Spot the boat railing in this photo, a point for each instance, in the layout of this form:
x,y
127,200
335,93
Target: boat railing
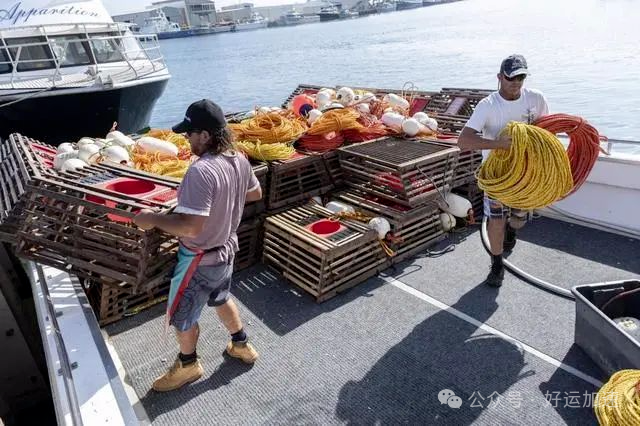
x,y
140,52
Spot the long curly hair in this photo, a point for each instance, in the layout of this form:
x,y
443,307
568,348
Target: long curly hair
x,y
221,140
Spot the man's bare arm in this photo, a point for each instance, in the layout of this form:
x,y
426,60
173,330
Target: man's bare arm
x,y
470,140
254,195
178,224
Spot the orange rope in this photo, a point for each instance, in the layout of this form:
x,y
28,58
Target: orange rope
x,y
335,120
584,143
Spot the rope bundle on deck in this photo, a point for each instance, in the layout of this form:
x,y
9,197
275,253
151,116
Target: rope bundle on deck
x,y
618,401
533,173
270,127
584,143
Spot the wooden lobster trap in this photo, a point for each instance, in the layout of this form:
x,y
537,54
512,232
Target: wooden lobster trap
x,y
418,99
322,255
249,233
14,176
297,179
112,301
81,221
302,89
412,229
254,208
404,171
456,102
468,162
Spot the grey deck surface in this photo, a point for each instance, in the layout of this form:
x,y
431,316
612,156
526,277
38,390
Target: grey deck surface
x,y
380,355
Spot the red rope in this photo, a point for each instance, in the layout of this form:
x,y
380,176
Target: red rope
x,y
584,143
321,143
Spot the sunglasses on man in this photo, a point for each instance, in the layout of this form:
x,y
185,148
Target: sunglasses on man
x,y
520,77
192,131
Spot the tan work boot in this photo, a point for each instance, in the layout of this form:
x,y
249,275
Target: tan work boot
x,y
178,376
242,350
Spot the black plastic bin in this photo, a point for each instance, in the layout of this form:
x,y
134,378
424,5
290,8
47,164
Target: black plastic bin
x,y
608,345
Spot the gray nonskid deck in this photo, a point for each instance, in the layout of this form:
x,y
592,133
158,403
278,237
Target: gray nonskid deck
x,y
376,354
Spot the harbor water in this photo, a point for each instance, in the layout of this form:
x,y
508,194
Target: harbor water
x,y
583,55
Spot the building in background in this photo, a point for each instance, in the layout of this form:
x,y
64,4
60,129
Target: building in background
x,y
236,13
185,13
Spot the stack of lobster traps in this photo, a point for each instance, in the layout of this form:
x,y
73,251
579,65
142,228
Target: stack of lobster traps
x,y
320,253
81,222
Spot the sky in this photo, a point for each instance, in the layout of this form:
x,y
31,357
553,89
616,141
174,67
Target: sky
x,y
121,6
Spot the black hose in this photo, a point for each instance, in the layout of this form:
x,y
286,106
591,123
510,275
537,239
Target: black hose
x,y
552,288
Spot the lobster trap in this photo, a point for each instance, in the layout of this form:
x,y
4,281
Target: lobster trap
x,y
297,179
322,255
112,301
468,163
14,177
81,221
249,233
456,102
403,171
413,229
254,208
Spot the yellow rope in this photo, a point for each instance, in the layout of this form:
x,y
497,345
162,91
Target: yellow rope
x,y
270,127
618,401
266,151
534,173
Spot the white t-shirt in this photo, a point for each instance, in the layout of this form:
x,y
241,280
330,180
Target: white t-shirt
x,y
494,112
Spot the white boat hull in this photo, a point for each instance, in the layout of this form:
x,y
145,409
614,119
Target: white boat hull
x,y
251,26
608,199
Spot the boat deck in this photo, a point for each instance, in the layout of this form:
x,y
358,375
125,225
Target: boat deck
x,y
382,352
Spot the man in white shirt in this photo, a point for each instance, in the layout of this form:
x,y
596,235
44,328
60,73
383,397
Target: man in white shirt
x,y
512,102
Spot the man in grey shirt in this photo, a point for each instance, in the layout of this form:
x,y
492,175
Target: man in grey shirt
x,y
210,203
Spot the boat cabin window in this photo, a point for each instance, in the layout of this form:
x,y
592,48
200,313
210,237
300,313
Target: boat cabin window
x,y
106,49
70,50
5,60
31,53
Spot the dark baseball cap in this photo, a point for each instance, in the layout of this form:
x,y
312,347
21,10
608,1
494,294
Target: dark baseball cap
x,y
514,65
201,115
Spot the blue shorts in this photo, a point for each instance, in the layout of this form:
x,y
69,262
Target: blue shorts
x,y
494,209
210,285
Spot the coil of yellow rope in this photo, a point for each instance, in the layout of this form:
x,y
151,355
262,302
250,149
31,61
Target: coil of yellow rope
x,y
534,173
618,400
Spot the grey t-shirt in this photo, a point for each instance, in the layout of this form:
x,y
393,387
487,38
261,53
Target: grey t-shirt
x,y
216,186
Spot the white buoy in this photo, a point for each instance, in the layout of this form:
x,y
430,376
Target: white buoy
x,y
73,164
421,116
448,221
314,114
338,207
392,119
65,147
395,100
345,96
456,205
363,108
411,126
381,225
60,159
431,124
323,99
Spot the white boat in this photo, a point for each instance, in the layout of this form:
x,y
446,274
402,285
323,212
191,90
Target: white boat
x,y
608,199
385,7
158,24
296,18
256,22
408,4
68,75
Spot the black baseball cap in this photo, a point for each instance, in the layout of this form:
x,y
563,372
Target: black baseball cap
x,y
201,115
514,65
